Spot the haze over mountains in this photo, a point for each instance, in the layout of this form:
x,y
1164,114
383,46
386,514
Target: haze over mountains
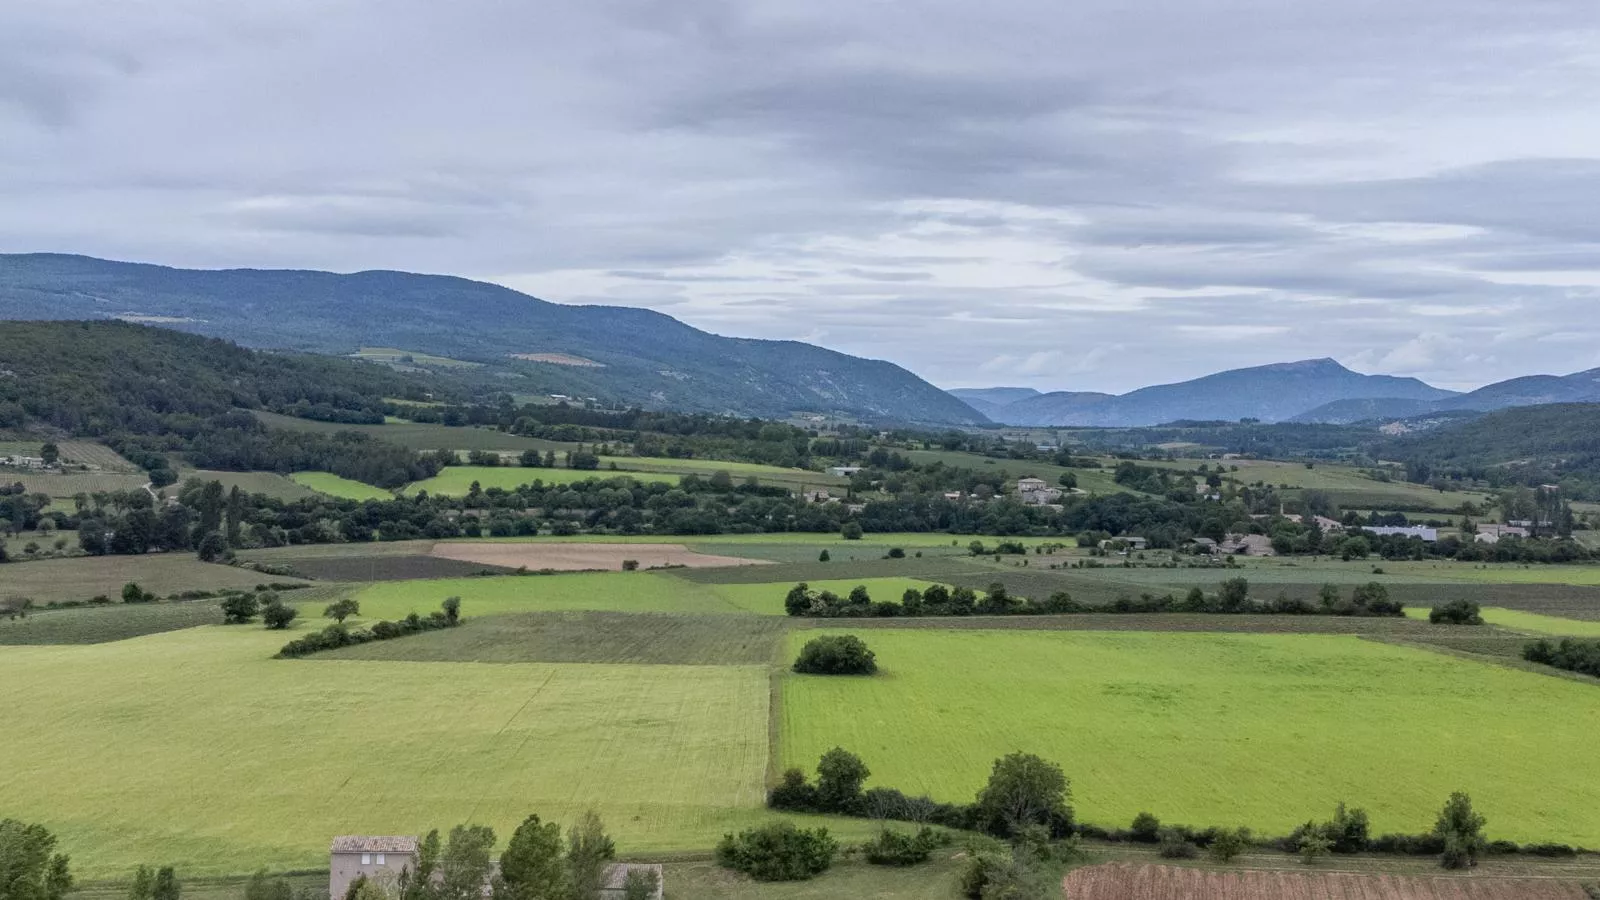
x,y
618,354
1319,390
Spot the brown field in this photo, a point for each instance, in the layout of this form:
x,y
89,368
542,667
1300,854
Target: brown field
x,y
1121,881
579,557
559,359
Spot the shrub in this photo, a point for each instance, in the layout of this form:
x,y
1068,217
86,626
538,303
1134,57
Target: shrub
x,y
1456,612
630,565
778,852
239,609
1176,845
896,848
840,775
823,556
1228,843
981,869
793,793
132,593
277,615
1146,828
1460,828
842,654
851,531
896,553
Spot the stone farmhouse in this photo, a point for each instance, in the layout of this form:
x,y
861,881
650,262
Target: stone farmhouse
x,y
384,858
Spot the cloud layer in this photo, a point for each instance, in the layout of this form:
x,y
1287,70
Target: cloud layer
x,y
1090,197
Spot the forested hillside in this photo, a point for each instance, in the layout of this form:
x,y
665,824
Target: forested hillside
x,y
149,392
620,355
1558,443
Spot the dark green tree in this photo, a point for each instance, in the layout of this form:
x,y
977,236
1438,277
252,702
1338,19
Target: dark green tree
x,y
1024,790
166,885
339,610
589,851
1461,829
30,869
466,863
840,775
531,868
276,614
238,609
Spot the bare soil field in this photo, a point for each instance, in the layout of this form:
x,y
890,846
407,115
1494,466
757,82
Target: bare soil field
x,y
1119,881
582,557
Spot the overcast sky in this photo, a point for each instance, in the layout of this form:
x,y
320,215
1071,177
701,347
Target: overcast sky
x,y
1092,195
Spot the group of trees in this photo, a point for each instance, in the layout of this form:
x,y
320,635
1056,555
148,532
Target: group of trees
x,y
242,608
30,867
1232,597
843,654
155,884
1456,612
1572,655
337,635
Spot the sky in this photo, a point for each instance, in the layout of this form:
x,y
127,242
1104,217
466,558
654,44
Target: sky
x,y
1094,195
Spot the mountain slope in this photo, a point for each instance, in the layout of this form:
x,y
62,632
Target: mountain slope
x,y
1530,390
991,401
1270,393
626,355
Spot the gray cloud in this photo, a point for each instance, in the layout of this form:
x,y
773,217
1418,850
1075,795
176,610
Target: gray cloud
x,y
1126,194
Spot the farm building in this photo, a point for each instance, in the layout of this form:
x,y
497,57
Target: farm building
x,y
1130,542
1248,545
843,471
1491,534
379,858
1029,485
1417,531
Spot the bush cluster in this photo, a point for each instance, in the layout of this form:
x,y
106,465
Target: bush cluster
x,y
836,654
896,848
1582,657
1456,612
778,852
341,635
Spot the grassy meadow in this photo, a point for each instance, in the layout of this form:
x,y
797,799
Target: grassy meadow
x,y
335,486
81,578
270,483
128,759
1256,730
1531,623
576,592
456,481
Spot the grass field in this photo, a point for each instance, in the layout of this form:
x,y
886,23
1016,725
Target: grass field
x,y
80,578
411,357
1094,481
1256,730
270,483
420,436
456,481
590,637
585,591
334,486
1520,620
126,758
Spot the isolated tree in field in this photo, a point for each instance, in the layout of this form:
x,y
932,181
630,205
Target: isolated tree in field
x,y
1461,829
1233,595
823,556
842,654
531,868
30,869
589,849
851,531
276,614
466,863
166,885
1456,612
238,609
50,453
452,609
1146,828
1024,790
840,775
132,593
339,610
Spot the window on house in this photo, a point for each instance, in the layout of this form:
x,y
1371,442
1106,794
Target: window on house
x,y
380,859
366,859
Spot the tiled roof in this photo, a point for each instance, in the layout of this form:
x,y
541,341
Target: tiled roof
x,y
363,843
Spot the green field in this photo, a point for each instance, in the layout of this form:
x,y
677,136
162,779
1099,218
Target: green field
x,y
576,592
1256,730
63,485
1093,481
456,481
1534,623
419,436
334,486
128,760
396,356
81,578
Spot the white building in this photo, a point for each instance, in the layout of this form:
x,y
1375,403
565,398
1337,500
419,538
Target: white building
x,y
1491,534
843,471
1417,531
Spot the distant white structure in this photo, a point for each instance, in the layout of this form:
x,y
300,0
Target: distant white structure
x,y
1417,531
1028,485
1491,534
843,471
1131,542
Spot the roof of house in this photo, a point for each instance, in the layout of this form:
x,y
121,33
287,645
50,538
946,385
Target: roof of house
x,y
366,843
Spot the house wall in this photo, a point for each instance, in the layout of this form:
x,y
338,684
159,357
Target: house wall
x,y
344,868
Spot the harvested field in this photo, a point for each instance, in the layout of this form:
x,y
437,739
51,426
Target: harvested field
x,y
83,577
384,567
1119,881
582,557
589,637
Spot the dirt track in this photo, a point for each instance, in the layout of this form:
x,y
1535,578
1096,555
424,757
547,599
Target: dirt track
x,y
578,557
1120,881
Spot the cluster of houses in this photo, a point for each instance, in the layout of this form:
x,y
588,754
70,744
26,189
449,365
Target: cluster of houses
x,y
23,462
382,859
1035,492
